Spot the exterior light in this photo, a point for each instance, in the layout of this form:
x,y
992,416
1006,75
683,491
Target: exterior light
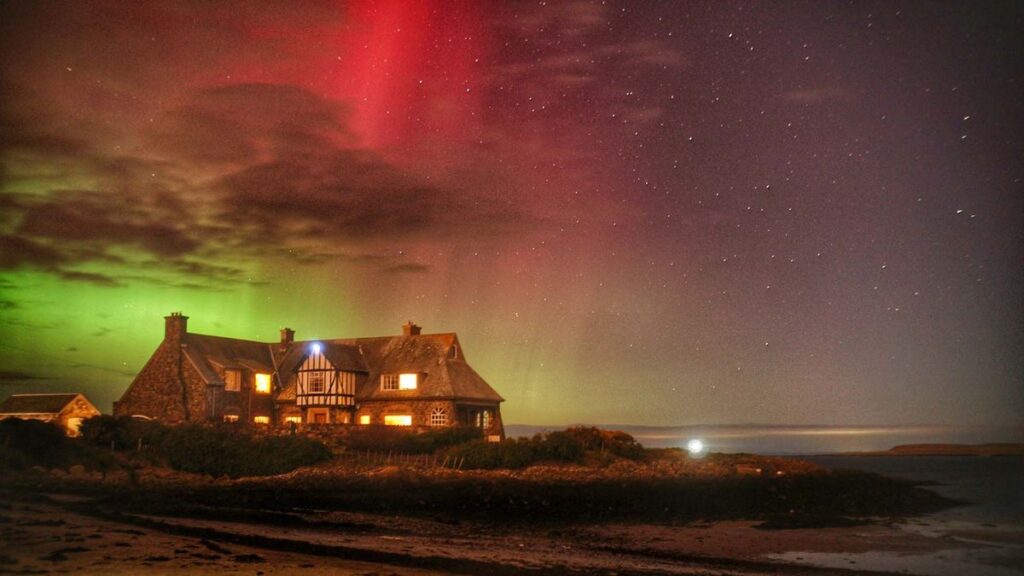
x,y
695,446
316,348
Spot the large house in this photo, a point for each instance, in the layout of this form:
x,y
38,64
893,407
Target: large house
x,y
418,380
67,411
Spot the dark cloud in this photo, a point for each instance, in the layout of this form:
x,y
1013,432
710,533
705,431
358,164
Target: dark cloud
x,y
16,251
244,123
233,173
106,219
89,277
15,376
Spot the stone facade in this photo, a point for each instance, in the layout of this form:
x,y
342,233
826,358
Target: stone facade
x,y
158,391
186,381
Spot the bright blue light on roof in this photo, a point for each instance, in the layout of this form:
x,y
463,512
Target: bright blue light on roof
x,y
316,348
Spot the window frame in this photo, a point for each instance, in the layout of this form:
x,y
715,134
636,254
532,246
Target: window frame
x,y
232,380
398,420
257,386
318,377
438,417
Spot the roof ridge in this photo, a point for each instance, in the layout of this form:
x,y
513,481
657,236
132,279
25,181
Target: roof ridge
x,y
227,338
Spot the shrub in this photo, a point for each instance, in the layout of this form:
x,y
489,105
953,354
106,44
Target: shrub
x,y
380,438
571,445
214,450
27,443
612,442
227,451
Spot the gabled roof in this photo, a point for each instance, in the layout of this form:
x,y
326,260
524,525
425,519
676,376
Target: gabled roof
x,y
426,354
205,352
36,403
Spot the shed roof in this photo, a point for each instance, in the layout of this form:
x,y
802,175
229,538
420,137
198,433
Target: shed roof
x,y
36,403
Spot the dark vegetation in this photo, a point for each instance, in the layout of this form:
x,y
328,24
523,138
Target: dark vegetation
x,y
575,445
599,489
214,450
28,443
819,499
380,438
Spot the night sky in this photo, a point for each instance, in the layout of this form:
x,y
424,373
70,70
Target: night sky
x,y
667,213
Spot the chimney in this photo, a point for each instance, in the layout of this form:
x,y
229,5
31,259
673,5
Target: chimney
x,y
287,337
175,327
410,329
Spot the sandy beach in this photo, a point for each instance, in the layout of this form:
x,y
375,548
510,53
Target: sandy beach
x,y
54,533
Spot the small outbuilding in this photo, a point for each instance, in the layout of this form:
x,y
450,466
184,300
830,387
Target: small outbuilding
x,y
67,411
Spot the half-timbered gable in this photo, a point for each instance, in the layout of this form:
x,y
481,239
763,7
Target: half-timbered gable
x,y
321,382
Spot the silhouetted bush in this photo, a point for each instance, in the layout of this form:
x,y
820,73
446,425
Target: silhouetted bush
x,y
571,445
378,438
612,442
215,450
121,432
228,451
27,443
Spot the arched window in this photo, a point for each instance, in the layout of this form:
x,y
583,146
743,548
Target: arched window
x,y
438,417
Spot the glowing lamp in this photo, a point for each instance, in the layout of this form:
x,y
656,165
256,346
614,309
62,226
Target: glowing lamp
x,y
315,347
695,446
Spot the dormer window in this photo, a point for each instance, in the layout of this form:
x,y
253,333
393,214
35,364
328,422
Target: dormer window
x,y
453,352
262,383
407,381
232,380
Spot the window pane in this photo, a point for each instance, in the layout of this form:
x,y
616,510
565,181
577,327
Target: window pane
x,y
263,383
232,380
407,381
398,420
364,419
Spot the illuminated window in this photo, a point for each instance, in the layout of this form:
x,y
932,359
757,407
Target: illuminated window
x,y
364,419
291,419
74,426
231,417
261,419
407,381
232,380
438,417
315,384
483,419
398,420
263,383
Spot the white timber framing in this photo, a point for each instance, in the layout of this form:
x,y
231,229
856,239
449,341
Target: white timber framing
x,y
338,388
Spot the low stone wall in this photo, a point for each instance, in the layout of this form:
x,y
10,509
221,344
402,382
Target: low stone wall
x,y
332,435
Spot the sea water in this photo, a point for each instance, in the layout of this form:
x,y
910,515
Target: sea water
x,y
986,533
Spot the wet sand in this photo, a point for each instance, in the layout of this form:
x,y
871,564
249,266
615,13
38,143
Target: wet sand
x,y
51,534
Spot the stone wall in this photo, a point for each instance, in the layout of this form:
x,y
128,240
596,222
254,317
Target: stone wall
x,y
157,391
419,410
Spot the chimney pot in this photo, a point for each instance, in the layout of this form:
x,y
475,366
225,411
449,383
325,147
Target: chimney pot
x,y
287,337
175,326
410,329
